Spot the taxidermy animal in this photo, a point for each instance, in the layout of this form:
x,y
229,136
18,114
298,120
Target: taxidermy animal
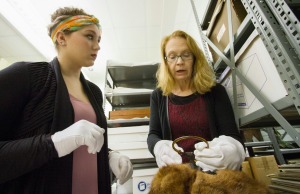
x,y
182,179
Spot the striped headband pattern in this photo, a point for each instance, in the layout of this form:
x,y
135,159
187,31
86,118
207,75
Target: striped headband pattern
x,y
74,23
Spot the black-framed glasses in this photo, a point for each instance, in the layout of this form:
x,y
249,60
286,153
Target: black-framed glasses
x,y
172,58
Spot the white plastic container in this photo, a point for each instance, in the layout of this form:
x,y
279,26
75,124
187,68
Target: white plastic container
x,y
126,188
142,179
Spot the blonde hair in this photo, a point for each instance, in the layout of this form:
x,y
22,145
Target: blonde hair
x,y
203,77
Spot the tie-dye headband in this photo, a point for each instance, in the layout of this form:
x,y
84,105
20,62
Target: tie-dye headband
x,y
74,23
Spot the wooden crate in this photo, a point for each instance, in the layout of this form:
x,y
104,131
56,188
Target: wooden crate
x,y
129,113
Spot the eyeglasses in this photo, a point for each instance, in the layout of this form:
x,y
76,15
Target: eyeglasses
x,y
172,58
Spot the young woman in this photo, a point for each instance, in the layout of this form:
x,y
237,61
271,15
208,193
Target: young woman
x,y
52,126
188,102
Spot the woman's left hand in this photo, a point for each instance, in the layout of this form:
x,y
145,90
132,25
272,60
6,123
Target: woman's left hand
x,y
224,152
121,166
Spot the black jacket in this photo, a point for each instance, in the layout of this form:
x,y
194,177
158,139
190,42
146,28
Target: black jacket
x,y
219,109
34,103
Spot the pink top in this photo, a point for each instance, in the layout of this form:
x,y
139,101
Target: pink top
x,y
84,179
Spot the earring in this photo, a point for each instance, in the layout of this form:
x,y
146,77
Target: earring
x,y
62,43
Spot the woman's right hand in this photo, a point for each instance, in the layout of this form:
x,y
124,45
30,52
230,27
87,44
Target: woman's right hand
x,y
165,154
80,133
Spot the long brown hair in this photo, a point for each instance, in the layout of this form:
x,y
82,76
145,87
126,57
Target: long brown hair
x,y
203,77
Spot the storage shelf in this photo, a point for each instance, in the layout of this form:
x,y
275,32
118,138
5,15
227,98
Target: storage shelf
x,y
279,31
266,21
262,118
143,163
129,100
259,143
127,122
140,80
142,76
129,86
283,151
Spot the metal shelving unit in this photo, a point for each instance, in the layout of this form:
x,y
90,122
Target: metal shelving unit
x,y
130,76
279,28
209,12
133,76
141,78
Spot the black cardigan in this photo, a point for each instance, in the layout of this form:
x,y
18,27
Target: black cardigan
x,y
219,109
34,103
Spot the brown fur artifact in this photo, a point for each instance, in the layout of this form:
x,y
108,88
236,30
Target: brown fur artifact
x,y
182,179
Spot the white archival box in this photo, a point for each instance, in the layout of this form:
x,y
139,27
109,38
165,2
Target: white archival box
x,y
127,134
142,179
130,141
255,63
134,150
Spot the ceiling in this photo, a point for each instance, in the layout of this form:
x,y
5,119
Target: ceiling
x,y
132,29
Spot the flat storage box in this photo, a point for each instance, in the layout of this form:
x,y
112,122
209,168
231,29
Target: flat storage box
x,y
263,166
130,141
129,113
142,179
217,30
134,150
127,134
255,63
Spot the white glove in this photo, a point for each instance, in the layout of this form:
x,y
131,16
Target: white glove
x,y
121,166
224,152
165,154
80,133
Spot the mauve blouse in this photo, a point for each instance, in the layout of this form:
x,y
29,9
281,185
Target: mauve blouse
x,y
84,178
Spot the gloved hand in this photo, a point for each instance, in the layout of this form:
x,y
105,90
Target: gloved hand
x,y
165,154
224,152
80,133
121,166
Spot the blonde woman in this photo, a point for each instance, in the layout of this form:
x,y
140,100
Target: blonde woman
x,y
52,126
189,102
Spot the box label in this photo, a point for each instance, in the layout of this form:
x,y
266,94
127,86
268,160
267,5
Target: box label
x,y
142,186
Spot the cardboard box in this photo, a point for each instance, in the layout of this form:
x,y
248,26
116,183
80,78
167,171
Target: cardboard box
x,y
246,168
129,113
263,166
142,179
252,134
218,31
254,62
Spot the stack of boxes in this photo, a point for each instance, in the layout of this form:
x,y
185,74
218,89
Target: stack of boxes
x,y
130,141
218,31
128,91
251,59
287,180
